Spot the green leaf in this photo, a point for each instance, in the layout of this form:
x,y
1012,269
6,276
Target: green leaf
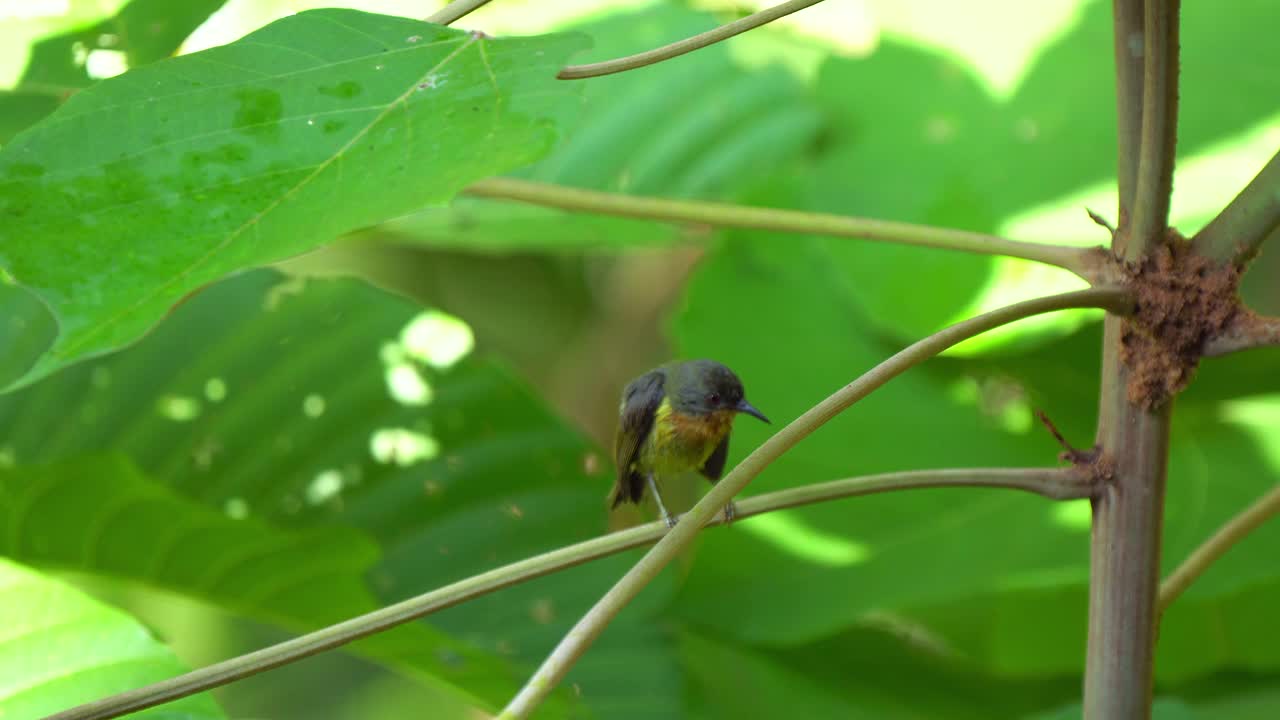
x,y
100,515
702,126
867,673
968,150
59,648
237,156
143,31
754,305
307,435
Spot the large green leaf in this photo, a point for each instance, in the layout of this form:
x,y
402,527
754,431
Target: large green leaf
x,y
948,557
704,126
312,448
100,515
149,185
867,673
143,31
778,315
957,152
60,647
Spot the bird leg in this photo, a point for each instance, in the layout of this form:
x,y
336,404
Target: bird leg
x,y
730,513
667,517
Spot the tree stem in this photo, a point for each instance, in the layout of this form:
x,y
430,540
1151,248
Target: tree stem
x,y
1125,547
1127,18
1129,511
1237,233
455,10
1159,128
680,47
1077,260
1053,483
576,642
1250,519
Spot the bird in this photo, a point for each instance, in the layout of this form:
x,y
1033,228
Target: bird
x,y
672,420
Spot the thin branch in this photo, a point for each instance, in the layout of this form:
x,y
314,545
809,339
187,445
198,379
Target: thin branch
x,y
456,10
576,642
680,47
1127,17
1247,331
1237,233
1077,260
1250,519
1159,128
1053,483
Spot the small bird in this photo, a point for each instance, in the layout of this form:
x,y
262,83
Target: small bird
x,y
675,419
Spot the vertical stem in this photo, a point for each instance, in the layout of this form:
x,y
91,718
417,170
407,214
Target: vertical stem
x,y
1129,48
1125,550
1150,216
1129,512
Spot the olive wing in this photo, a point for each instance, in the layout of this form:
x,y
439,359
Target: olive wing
x,y
640,401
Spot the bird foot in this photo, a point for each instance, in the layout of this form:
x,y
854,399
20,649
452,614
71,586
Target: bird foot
x,y
730,513
670,520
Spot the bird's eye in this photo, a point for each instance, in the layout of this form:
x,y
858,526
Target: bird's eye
x,y
713,398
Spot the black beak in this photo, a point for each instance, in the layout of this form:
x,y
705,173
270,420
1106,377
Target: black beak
x,y
748,408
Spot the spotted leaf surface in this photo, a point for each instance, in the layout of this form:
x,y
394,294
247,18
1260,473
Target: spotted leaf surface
x,y
149,185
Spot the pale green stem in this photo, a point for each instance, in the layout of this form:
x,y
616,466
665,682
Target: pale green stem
x,y
1262,510
576,642
455,10
1053,483
675,49
1237,233
1077,260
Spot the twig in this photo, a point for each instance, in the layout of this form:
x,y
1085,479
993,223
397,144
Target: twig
x,y
1159,128
1053,483
1236,234
455,10
593,623
737,216
1247,330
1250,519
680,47
1099,220
1070,453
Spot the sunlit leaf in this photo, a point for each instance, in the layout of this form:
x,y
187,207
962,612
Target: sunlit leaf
x,y
59,648
283,453
703,126
147,186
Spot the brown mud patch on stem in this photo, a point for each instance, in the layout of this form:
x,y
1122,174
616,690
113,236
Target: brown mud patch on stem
x,y
1182,300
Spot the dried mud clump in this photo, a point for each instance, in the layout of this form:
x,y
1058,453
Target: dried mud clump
x,y
1182,300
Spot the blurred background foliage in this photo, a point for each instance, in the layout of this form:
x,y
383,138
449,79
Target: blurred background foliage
x,y
434,396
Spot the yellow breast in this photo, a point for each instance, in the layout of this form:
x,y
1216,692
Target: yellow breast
x,y
681,443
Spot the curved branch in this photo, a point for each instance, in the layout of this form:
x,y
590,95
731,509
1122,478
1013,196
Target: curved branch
x,y
1053,483
1077,260
455,10
1247,331
1250,519
1236,234
680,47
576,642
